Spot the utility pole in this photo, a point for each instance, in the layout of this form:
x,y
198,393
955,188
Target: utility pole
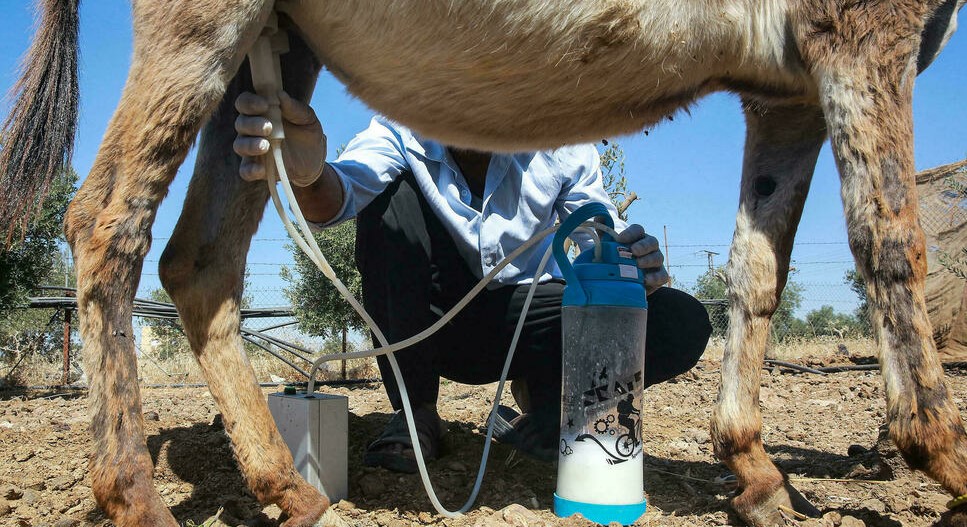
x,y
668,258
711,258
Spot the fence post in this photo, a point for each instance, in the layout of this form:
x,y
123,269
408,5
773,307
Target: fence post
x,y
344,351
67,345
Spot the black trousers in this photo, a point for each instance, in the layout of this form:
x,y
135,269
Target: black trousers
x,y
411,271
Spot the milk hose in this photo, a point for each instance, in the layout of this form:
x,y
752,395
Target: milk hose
x,y
266,74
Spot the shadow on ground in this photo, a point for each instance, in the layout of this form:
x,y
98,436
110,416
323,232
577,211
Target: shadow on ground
x,y
200,457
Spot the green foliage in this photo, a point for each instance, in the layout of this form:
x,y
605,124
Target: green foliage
x,y
862,313
167,338
35,260
30,332
318,306
711,286
784,323
954,263
613,176
827,322
167,335
28,261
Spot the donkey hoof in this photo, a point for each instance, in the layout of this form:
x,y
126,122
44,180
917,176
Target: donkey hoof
x,y
956,517
311,515
764,508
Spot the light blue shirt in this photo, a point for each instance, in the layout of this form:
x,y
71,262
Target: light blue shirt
x,y
524,194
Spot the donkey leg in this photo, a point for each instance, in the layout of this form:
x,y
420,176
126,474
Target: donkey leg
x,y
869,114
203,268
782,144
178,75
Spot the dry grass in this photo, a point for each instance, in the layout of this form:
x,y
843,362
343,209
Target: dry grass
x,y
181,368
801,348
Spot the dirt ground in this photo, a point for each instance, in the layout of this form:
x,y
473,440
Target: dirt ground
x,y
819,429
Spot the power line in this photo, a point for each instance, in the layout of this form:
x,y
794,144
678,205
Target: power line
x,y
729,244
794,263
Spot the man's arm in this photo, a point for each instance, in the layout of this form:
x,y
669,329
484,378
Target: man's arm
x,y
322,199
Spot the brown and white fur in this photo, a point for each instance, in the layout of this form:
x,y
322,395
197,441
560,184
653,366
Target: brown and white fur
x,y
497,75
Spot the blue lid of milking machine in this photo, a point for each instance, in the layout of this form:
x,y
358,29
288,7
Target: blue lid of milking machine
x,y
612,280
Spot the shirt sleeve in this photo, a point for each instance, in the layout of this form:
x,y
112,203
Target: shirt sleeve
x,y
585,185
371,161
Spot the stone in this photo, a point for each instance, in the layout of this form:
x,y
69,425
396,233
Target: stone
x,y
833,518
849,521
30,496
67,522
698,436
874,505
456,466
331,519
11,492
896,503
371,486
62,483
518,516
5,508
344,505
489,521
152,416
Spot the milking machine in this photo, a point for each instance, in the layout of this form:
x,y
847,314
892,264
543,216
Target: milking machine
x,y
604,314
603,317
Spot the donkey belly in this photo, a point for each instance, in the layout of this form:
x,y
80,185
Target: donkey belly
x,y
521,74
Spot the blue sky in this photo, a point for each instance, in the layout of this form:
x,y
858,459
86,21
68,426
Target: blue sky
x,y
686,172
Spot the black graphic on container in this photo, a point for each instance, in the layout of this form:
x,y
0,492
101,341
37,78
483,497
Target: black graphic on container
x,y
626,445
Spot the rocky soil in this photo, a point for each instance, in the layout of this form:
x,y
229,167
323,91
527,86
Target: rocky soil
x,y
821,430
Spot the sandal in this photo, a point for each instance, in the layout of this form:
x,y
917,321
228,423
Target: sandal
x,y
393,449
533,435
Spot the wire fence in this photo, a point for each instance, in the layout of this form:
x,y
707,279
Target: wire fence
x,y
823,312
279,351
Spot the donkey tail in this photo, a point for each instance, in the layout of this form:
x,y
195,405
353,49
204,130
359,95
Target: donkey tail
x,y
37,137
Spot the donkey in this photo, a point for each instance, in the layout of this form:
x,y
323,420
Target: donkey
x,y
500,76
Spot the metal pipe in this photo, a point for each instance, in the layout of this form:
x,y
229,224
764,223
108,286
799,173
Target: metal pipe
x,y
246,338
67,345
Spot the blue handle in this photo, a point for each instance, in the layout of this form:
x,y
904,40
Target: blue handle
x,y
581,215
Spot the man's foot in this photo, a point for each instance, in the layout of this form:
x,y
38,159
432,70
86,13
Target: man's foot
x,y
393,449
532,434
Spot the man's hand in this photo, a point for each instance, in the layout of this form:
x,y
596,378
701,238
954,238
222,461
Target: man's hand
x,y
648,255
304,148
